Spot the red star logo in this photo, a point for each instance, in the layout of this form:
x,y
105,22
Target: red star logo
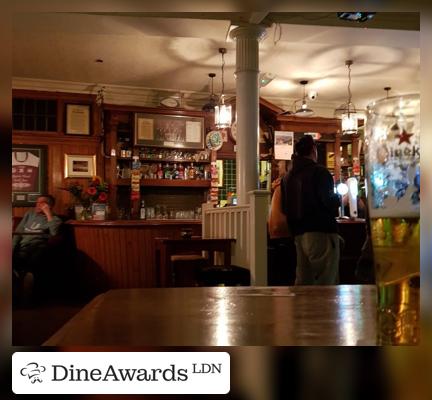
x,y
404,137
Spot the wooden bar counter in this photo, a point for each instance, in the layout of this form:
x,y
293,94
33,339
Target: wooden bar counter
x,y
342,315
121,254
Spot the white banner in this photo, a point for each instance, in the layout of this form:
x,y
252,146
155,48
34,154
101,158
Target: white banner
x,y
120,372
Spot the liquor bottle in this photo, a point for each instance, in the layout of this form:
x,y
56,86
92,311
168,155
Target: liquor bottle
x,y
392,158
199,172
167,172
207,174
142,210
175,172
191,172
159,172
181,172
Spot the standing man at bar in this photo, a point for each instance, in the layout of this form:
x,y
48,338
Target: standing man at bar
x,y
310,205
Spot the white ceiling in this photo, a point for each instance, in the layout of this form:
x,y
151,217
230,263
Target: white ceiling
x,y
178,53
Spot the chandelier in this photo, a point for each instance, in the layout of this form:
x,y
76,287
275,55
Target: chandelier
x,y
347,111
222,110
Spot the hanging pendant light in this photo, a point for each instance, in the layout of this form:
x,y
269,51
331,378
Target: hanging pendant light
x,y
212,101
222,110
304,110
347,111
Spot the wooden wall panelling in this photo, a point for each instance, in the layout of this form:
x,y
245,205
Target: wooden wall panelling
x,y
59,143
58,146
121,256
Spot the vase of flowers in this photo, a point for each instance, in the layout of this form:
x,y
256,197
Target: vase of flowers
x,y
84,198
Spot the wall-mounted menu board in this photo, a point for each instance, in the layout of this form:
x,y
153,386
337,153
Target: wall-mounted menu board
x,y
171,131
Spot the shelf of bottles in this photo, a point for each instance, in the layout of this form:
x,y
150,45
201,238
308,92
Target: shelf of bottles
x,y
166,182
162,167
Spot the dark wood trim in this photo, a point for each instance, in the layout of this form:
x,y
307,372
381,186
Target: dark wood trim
x,y
200,183
151,110
134,223
42,94
54,137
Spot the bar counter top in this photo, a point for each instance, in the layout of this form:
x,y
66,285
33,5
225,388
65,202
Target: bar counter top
x,y
343,315
139,222
133,222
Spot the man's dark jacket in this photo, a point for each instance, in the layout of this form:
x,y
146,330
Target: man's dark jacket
x,y
308,198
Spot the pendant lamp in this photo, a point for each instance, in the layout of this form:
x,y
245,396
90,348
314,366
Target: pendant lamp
x,y
222,110
304,110
347,111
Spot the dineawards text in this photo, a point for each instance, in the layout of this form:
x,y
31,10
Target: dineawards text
x,y
112,374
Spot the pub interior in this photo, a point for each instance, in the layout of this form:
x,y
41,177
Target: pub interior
x,y
164,202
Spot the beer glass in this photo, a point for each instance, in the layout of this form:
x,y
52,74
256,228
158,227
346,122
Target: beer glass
x,y
392,138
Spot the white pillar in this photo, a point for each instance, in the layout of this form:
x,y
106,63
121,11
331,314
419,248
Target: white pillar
x,y
247,108
259,206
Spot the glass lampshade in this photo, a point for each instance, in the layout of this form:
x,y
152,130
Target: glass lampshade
x,y
223,116
349,123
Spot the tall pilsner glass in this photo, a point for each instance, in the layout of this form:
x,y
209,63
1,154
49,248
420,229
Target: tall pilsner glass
x,y
392,138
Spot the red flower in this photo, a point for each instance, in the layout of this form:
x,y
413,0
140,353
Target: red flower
x,y
91,190
102,196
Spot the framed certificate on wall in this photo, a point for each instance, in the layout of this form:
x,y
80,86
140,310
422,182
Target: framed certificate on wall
x,y
77,119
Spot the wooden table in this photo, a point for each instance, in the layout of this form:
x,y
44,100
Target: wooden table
x,y
225,316
165,248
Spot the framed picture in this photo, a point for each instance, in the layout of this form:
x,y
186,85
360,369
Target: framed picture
x,y
77,119
28,174
171,131
79,166
283,145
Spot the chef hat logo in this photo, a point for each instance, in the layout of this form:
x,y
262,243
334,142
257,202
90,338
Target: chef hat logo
x,y
33,371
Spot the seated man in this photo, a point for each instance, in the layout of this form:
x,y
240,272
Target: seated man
x,y
30,241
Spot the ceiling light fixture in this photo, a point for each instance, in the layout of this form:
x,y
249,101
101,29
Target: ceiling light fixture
x,y
387,89
347,111
304,110
212,101
222,110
